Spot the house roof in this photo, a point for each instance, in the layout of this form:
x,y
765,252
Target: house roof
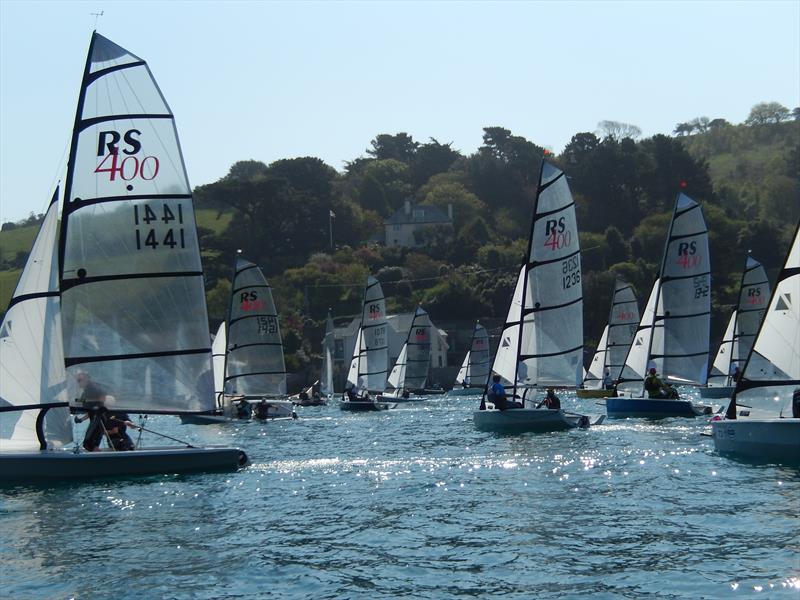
x,y
420,214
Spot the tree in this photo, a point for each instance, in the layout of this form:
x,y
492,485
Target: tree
x,y
430,159
796,113
399,146
247,170
683,129
764,113
718,124
618,131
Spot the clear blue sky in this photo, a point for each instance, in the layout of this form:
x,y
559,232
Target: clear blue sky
x,y
269,80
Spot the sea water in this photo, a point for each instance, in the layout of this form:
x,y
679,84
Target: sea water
x,y
415,503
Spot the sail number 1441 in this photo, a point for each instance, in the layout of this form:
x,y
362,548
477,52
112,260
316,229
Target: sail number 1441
x,y
144,215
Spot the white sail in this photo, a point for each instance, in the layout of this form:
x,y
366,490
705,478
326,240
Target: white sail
x,y
131,279
477,365
775,357
352,373
218,348
411,369
397,376
616,340
680,348
369,365
326,385
505,359
31,357
593,379
461,378
254,361
545,318
721,370
631,379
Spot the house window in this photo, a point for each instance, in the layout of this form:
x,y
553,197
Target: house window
x,y
397,227
419,214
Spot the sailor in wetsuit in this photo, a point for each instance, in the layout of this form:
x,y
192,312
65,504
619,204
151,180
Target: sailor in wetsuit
x,y
104,423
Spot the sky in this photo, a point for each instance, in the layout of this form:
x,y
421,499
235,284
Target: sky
x,y
271,80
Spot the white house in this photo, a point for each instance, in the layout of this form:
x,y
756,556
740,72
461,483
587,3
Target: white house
x,y
402,225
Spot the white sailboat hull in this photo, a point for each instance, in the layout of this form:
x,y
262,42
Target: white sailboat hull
x,y
520,420
766,439
276,409
716,392
47,465
470,391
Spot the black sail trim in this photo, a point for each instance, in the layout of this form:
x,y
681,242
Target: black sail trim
x,y
531,265
247,287
373,325
240,346
21,407
86,123
544,186
70,283
678,213
700,314
92,77
70,206
678,355
686,235
528,311
554,211
229,377
237,319
70,361
33,296
667,278
527,356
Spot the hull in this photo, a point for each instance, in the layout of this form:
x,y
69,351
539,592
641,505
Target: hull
x,y
47,465
716,392
391,397
651,408
364,406
774,440
477,391
520,420
429,392
276,409
582,393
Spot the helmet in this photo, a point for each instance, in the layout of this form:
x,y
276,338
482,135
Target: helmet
x,y
652,370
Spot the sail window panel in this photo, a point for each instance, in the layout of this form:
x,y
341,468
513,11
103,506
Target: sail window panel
x,y
162,384
257,385
554,285
124,157
555,237
106,53
252,370
131,237
154,315
553,330
128,91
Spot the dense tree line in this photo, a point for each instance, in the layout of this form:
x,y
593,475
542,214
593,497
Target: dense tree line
x,y
624,191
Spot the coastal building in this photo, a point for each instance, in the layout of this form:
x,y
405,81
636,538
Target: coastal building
x,y
404,227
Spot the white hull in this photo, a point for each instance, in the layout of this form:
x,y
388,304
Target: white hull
x,y
471,391
519,420
276,410
765,439
716,392
44,465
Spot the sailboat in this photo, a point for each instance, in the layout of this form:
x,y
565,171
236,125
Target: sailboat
x,y
673,334
114,293
474,372
410,372
614,344
740,332
759,422
367,375
328,347
254,378
542,340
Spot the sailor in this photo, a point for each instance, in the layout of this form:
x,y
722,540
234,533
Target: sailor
x,y
405,394
262,410
656,388
498,397
350,392
244,409
796,403
550,401
104,423
608,384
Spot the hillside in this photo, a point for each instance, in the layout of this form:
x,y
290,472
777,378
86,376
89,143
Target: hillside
x,y
746,176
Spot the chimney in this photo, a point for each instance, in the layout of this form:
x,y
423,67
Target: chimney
x,y
450,211
407,207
